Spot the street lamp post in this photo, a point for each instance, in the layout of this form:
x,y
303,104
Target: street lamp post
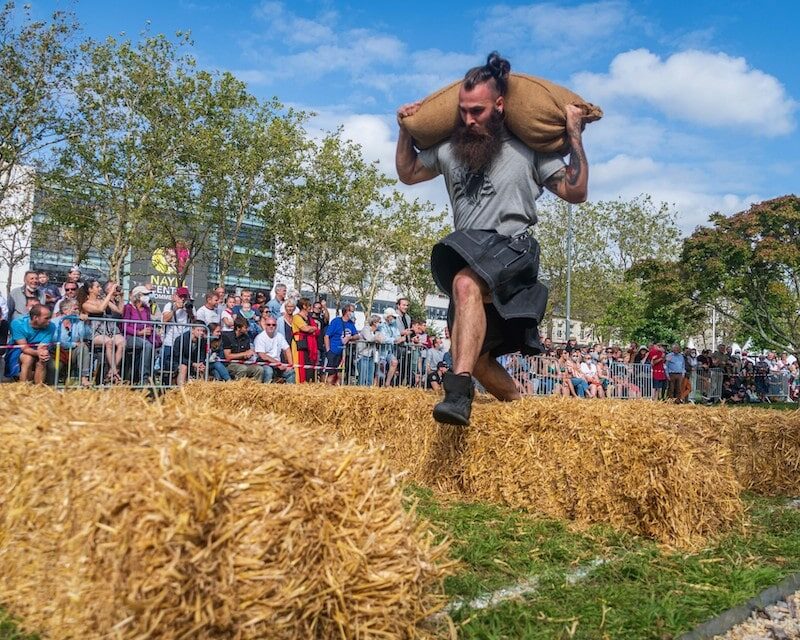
x,y
569,270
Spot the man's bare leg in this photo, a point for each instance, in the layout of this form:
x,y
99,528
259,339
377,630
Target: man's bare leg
x,y
39,372
469,321
467,335
26,364
495,379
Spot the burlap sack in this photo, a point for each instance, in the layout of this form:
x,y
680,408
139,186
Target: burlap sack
x,y
534,113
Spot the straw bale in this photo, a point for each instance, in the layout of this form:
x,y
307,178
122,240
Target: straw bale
x,y
612,462
634,465
123,518
398,421
766,448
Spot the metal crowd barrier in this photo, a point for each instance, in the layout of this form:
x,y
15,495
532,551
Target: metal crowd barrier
x,y
107,352
378,364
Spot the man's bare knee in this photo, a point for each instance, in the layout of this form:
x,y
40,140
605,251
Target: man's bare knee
x,y
467,284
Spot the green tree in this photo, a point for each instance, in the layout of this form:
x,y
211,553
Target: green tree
x,y
751,259
120,154
327,213
36,62
608,238
418,229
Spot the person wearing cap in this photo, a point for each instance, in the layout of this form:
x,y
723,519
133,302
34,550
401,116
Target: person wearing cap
x,y
489,265
139,332
434,379
392,334
339,333
176,318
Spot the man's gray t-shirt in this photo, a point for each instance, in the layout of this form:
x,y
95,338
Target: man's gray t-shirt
x,y
502,197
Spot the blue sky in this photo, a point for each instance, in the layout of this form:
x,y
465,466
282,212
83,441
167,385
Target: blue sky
x,y
700,98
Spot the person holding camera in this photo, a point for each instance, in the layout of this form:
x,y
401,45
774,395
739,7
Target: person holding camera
x,y
98,304
177,315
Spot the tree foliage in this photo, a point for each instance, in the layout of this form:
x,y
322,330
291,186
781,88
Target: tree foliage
x,y
608,238
752,258
36,61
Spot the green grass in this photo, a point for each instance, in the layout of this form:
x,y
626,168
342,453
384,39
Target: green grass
x,y
639,591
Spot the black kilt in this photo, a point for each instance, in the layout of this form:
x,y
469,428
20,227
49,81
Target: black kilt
x,y
510,268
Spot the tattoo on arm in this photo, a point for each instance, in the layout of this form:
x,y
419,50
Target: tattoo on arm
x,y
577,160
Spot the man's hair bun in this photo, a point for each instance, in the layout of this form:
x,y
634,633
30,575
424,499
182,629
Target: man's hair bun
x,y
496,68
499,67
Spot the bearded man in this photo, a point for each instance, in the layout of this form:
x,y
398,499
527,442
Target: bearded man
x,y
489,265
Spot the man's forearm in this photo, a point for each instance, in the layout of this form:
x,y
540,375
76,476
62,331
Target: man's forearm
x,y
577,178
405,156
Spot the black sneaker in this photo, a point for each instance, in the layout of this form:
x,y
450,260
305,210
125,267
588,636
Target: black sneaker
x,y
457,403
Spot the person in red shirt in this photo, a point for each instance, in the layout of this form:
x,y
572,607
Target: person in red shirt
x,y
656,356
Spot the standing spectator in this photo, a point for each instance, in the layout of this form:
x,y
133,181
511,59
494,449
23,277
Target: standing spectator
x,y
275,305
572,345
3,321
260,303
191,348
246,311
656,358
676,371
208,313
97,306
368,351
73,277
228,314
177,318
73,335
404,350
70,290
270,345
340,331
392,337
285,320
320,315
33,334
221,296
18,298
52,292
239,353
139,333
304,344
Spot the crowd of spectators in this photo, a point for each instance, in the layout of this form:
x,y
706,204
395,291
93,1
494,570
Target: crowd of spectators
x,y
99,337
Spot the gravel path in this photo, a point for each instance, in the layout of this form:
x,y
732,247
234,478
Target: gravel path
x,y
779,621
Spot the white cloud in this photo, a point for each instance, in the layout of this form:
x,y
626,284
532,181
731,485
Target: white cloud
x,y
550,31
689,188
711,89
292,28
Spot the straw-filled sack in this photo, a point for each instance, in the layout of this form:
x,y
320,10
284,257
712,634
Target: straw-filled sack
x,y
590,462
121,518
534,110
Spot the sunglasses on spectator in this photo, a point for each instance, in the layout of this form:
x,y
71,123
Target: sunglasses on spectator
x,y
70,288
270,324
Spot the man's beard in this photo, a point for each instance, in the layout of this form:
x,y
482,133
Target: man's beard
x,y
476,149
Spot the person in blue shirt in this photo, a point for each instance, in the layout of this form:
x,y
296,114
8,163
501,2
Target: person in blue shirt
x,y
274,305
73,337
34,334
676,370
340,331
